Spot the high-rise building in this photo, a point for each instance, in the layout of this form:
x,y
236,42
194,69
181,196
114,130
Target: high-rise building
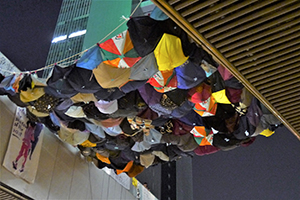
x,y
83,23
69,31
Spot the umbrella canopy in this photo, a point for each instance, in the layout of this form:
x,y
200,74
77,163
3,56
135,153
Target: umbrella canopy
x,y
57,84
7,83
208,68
144,68
200,93
189,75
168,53
182,110
31,94
245,129
218,88
72,136
109,77
149,94
202,135
132,86
192,119
164,81
157,14
37,81
119,52
207,107
226,75
82,80
109,94
198,54
90,59
107,107
254,112
145,33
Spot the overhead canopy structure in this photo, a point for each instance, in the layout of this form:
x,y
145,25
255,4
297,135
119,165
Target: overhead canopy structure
x,y
257,41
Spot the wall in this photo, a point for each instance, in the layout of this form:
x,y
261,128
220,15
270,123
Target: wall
x,y
62,172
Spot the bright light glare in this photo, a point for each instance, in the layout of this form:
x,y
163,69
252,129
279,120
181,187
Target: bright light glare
x,y
59,38
77,33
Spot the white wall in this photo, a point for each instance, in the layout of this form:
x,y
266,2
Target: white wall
x,y
62,172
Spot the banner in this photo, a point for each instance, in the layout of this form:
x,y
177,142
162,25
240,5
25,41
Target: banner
x,y
24,148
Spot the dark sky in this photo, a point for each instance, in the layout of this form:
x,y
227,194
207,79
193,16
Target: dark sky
x,y
27,29
268,169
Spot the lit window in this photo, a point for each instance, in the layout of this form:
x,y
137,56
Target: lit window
x,y
77,33
59,38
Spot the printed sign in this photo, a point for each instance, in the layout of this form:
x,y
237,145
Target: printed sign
x,y
24,148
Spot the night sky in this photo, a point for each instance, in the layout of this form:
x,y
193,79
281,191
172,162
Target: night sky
x,y
27,29
268,169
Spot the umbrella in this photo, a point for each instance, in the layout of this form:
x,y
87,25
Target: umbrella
x,y
149,94
32,94
168,53
245,129
37,81
109,94
57,84
109,77
254,112
202,135
205,150
83,97
198,54
208,68
119,52
226,75
132,86
164,81
200,93
24,83
7,83
182,110
192,119
90,59
189,75
218,88
207,107
158,15
144,68
72,136
83,81
145,34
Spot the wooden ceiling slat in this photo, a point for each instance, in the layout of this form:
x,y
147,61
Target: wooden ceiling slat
x,y
259,17
222,13
209,10
197,8
258,46
236,47
233,16
275,78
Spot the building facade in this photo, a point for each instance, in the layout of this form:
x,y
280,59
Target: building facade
x,y
69,32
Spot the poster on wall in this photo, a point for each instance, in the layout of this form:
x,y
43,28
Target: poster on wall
x,y
24,148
